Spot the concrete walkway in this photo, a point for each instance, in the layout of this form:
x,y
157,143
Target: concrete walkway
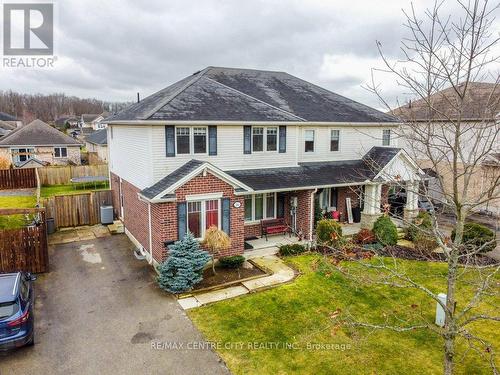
x,y
280,273
84,233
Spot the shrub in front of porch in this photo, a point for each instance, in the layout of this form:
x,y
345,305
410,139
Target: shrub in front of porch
x,y
183,268
234,261
477,236
292,249
385,231
364,237
328,232
422,223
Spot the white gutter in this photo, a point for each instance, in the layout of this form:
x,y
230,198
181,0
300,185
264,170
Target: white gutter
x,y
300,188
203,122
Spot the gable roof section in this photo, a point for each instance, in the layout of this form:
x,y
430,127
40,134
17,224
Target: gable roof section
x,y
99,137
164,188
482,101
228,94
37,133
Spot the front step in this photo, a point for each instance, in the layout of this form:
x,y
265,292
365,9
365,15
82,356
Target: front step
x,y
116,227
401,233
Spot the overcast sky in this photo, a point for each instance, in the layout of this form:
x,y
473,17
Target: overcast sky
x,y
112,49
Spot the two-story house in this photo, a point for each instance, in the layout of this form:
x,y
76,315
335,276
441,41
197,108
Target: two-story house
x,y
230,147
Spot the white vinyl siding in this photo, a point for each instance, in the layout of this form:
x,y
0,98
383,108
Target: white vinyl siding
x,y
130,154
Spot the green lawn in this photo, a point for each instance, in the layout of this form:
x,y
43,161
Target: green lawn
x,y
15,221
300,313
51,190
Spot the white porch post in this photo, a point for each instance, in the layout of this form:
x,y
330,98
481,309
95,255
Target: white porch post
x,y
371,210
411,207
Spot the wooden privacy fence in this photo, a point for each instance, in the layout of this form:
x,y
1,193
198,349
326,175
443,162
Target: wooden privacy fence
x,y
17,178
24,249
78,209
62,175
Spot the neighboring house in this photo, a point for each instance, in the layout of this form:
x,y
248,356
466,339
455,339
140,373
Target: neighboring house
x,y
230,147
480,111
97,142
11,120
93,121
65,122
42,143
5,128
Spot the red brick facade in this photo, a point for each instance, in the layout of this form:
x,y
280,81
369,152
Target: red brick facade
x,y
353,192
164,215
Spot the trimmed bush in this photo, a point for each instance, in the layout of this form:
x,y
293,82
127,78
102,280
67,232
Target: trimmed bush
x,y
385,231
421,223
476,235
292,249
328,232
234,261
183,268
424,243
364,236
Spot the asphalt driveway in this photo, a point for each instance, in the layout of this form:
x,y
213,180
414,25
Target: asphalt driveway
x,y
99,312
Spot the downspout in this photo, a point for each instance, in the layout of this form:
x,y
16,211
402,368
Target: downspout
x,y
150,255
313,193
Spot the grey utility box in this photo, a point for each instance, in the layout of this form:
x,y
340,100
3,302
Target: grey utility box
x,y
106,215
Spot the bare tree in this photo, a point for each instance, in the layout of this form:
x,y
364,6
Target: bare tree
x,y
443,57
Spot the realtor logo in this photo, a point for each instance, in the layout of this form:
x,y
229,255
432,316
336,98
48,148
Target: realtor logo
x,y
28,29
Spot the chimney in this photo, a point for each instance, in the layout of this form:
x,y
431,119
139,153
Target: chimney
x,y
138,98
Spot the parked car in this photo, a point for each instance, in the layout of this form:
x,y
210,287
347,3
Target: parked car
x,y
425,205
397,202
17,299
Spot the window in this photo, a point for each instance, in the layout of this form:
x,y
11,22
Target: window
x,y
60,152
309,141
200,140
194,218
260,206
334,140
272,139
386,137
22,154
248,208
203,215
257,139
270,205
183,140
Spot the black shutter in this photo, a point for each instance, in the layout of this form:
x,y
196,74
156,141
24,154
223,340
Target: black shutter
x,y
226,215
170,140
212,140
181,220
282,147
247,139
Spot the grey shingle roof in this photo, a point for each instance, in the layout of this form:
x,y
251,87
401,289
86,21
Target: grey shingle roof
x,y
228,94
37,133
316,173
305,175
170,179
99,137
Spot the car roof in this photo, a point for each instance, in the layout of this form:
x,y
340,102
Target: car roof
x,y
9,286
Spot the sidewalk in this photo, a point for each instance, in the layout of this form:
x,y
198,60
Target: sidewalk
x,y
280,273
83,233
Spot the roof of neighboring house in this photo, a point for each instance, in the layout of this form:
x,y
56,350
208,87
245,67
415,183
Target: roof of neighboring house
x,y
31,161
37,133
492,159
99,137
87,117
230,94
311,174
63,119
6,117
6,126
482,101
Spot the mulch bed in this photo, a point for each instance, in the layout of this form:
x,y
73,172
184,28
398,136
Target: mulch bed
x,y
226,275
404,252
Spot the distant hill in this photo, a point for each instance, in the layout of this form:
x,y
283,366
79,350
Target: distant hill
x,y
28,107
